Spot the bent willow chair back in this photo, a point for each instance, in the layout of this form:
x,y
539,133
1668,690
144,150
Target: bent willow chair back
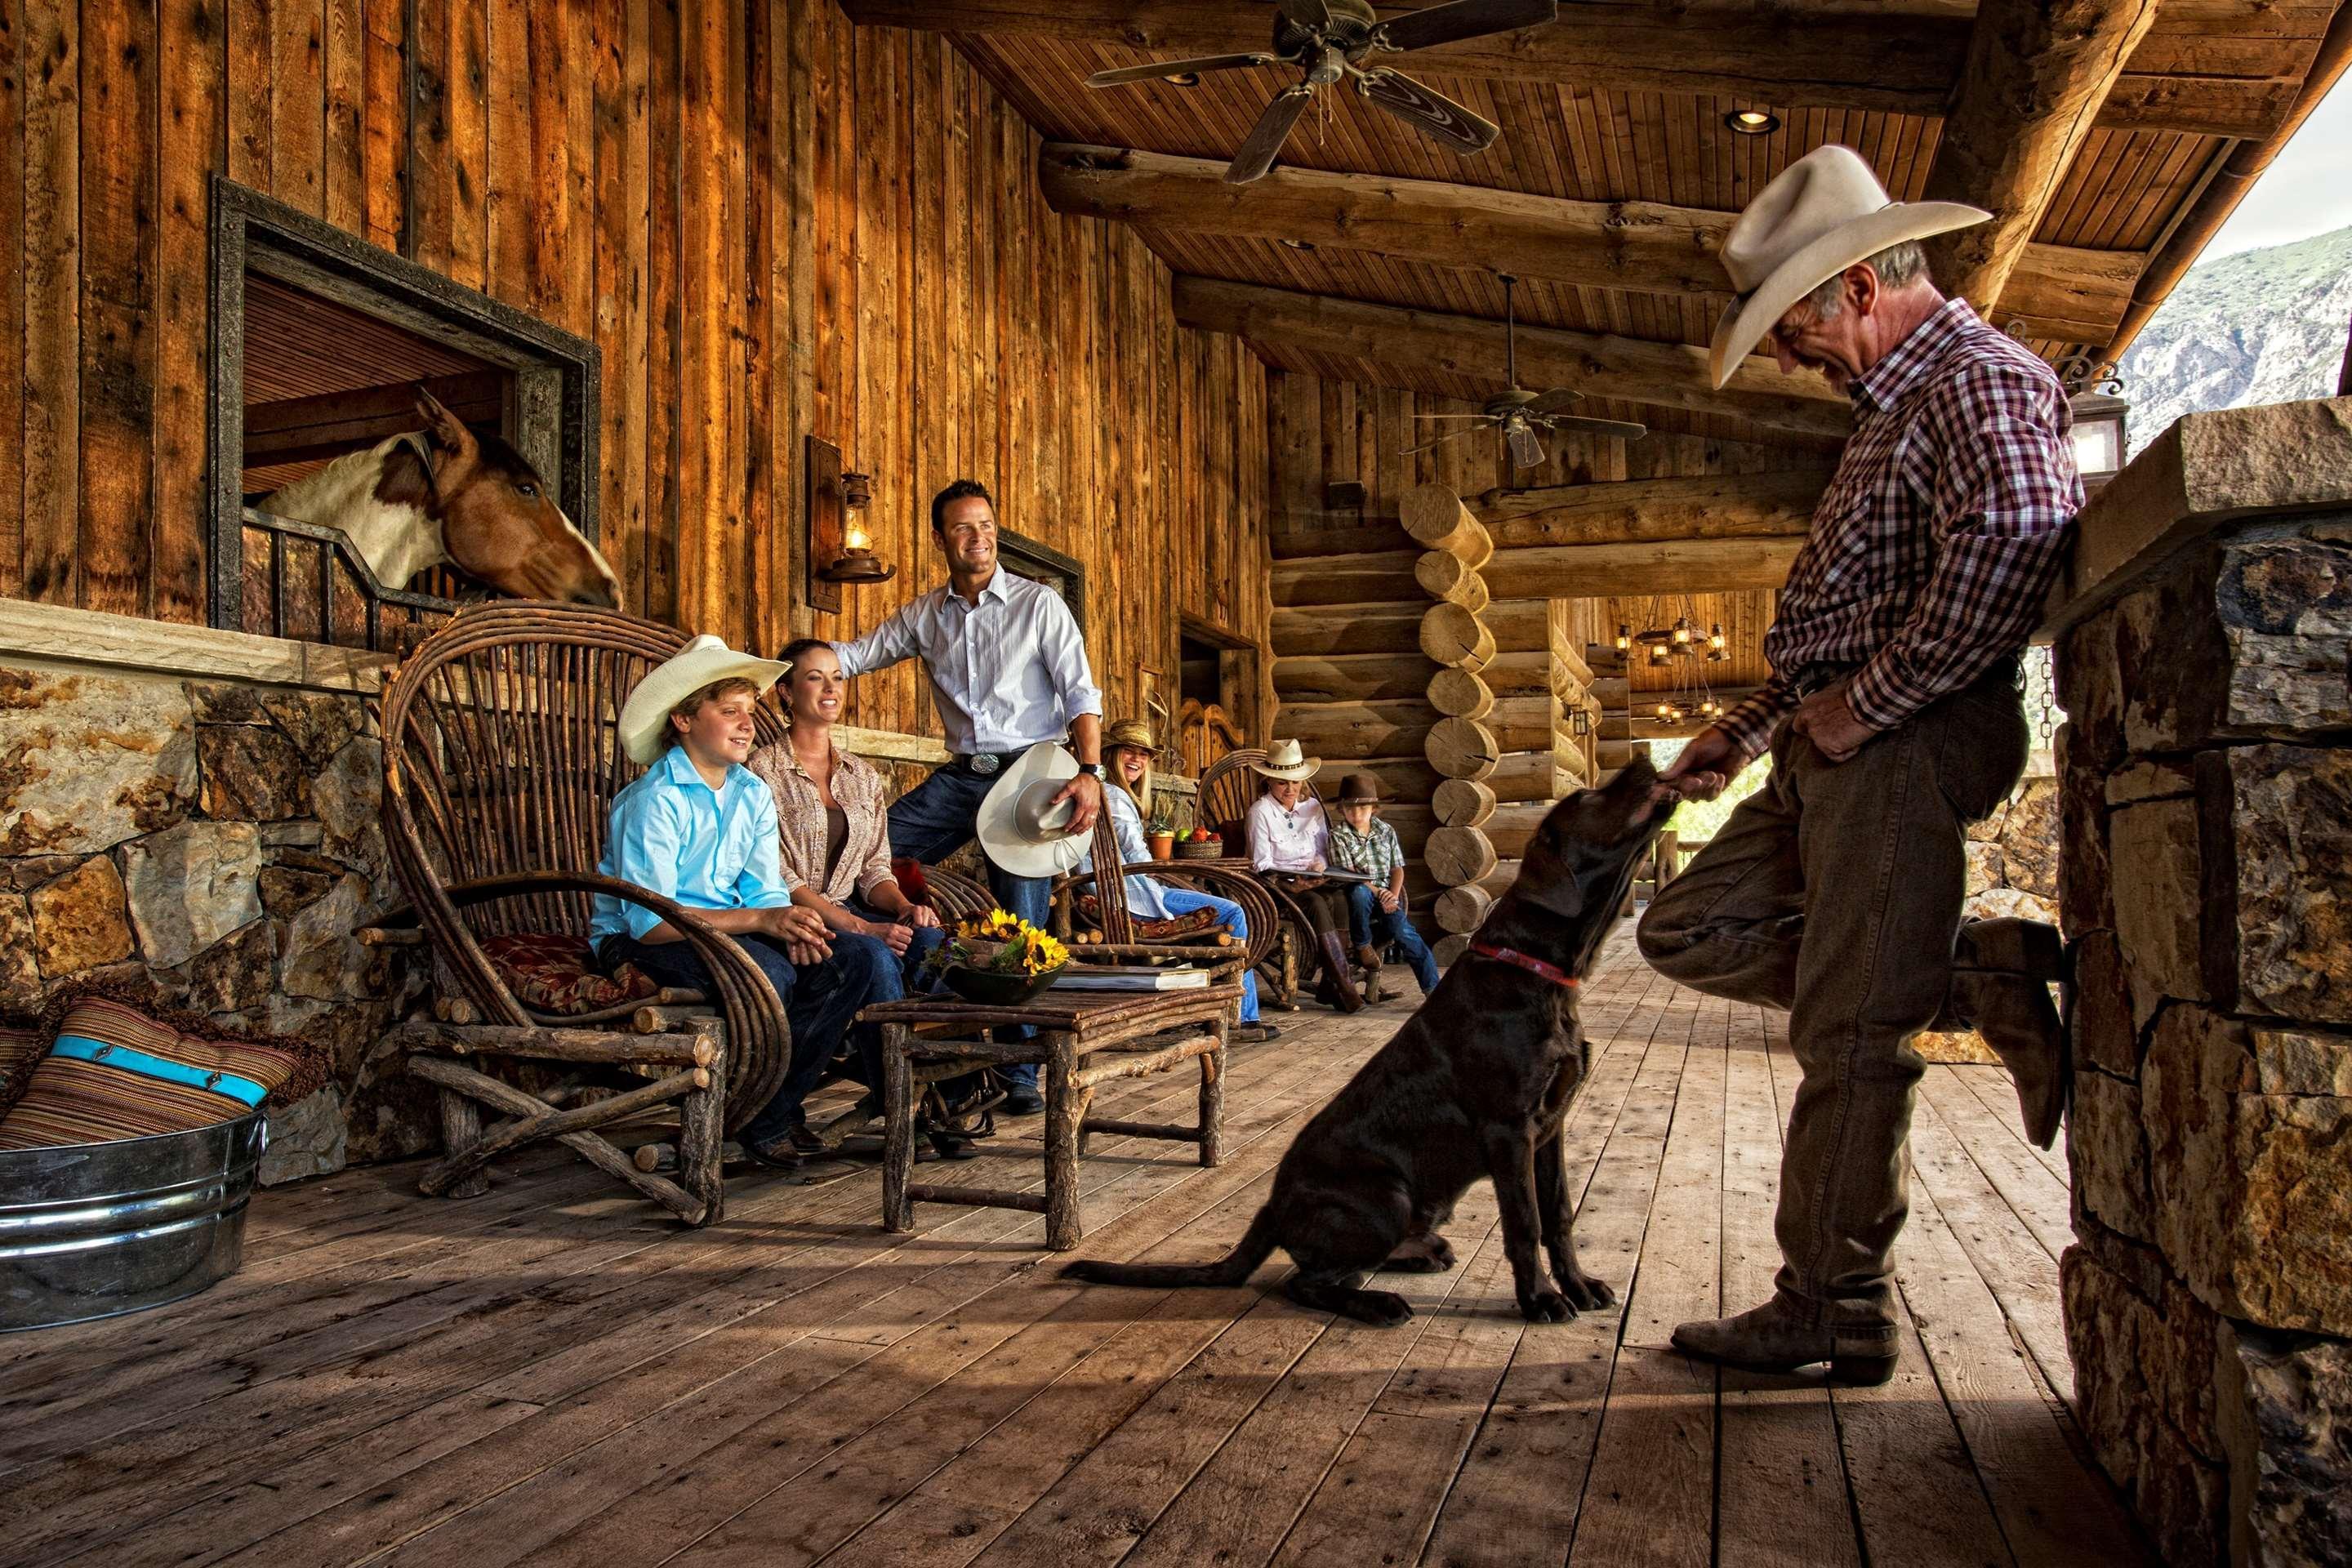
x,y
501,760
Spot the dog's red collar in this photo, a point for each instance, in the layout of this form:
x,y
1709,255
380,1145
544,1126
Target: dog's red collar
x,y
1551,972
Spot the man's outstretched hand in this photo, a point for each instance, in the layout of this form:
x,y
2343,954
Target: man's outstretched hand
x,y
1705,768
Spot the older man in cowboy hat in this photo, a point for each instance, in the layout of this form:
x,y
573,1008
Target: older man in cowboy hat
x,y
1893,719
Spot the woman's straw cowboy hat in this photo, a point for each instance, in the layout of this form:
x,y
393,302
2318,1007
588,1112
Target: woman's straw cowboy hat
x,y
1132,732
1825,212
1283,760
1020,828
705,661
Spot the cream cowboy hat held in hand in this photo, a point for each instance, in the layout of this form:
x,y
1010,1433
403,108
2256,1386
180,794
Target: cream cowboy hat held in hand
x,y
1020,828
1825,212
703,662
1284,761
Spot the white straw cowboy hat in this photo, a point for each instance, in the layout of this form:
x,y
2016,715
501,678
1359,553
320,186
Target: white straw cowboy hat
x,y
1825,212
703,662
1020,828
1285,760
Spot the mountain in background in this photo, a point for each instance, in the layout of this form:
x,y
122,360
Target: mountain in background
x,y
2263,326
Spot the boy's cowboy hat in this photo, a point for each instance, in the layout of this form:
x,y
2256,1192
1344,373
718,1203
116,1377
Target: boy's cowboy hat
x,y
705,661
1825,212
1020,829
1359,789
1284,761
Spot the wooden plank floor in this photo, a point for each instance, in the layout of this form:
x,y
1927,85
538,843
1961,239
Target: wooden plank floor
x,y
552,1375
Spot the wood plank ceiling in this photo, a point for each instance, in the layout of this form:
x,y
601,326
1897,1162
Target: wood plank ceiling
x,y
1641,118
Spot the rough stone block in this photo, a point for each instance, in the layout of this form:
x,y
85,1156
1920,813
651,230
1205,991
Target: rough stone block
x,y
320,958
306,1139
20,977
2148,779
88,760
2085,669
235,973
1984,866
2286,1402
189,886
1987,829
2108,1153
288,890
2007,903
2029,838
2105,1035
2291,810
226,702
317,723
1955,1045
2085,893
2294,1062
347,795
80,921
2159,901
251,774
2252,1191
2285,608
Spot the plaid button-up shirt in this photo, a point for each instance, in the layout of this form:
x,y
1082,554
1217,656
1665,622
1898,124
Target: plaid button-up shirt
x,y
1374,852
1940,534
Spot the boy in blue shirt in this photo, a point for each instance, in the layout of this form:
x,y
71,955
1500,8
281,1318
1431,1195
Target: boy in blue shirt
x,y
699,828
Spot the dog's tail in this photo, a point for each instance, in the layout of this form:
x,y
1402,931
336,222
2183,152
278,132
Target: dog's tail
x,y
1231,1269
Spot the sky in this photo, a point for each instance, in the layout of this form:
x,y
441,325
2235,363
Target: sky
x,y
2306,190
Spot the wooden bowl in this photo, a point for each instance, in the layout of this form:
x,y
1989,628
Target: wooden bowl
x,y
998,988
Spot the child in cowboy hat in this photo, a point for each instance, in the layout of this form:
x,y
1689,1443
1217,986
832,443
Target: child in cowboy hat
x,y
1360,841
699,828
1127,750
1289,843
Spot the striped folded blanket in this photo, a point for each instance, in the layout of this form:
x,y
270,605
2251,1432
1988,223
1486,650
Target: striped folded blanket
x,y
118,1069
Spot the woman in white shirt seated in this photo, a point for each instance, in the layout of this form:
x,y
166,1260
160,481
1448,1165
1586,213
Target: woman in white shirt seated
x,y
1289,843
1128,751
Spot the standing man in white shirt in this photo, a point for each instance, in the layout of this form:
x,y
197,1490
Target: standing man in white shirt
x,y
1008,668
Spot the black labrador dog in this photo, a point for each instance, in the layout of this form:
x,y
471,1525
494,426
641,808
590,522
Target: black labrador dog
x,y
1476,1084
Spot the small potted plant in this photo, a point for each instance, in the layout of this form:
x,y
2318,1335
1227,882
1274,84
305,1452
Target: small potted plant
x,y
1168,814
999,959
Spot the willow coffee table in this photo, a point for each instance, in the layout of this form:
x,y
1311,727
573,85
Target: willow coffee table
x,y
1084,1038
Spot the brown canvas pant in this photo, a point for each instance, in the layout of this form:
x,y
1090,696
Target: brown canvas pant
x,y
1834,892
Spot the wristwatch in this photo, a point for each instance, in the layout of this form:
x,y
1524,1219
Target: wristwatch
x,y
1092,770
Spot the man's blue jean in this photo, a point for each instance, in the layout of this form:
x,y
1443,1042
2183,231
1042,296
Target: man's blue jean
x,y
934,820
1372,926
820,1001
1184,900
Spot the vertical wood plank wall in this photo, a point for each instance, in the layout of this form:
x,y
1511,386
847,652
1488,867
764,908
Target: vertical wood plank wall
x,y
773,223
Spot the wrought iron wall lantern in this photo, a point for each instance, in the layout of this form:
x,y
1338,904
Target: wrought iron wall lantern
x,y
840,547
2096,388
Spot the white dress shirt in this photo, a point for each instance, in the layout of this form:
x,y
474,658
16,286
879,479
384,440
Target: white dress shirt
x,y
1006,673
1291,840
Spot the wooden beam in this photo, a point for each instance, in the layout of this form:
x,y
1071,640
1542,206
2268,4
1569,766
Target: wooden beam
x,y
1630,512
1848,55
1660,566
1670,375
2037,72
2059,291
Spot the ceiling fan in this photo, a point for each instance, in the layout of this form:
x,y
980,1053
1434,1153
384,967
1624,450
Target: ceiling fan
x,y
1329,40
1519,413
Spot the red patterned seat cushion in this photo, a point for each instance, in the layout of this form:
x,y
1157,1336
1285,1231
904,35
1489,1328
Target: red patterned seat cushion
x,y
1175,928
556,974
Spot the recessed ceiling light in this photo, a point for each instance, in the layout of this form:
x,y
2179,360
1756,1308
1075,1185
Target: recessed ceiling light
x,y
1185,79
1752,122
1300,244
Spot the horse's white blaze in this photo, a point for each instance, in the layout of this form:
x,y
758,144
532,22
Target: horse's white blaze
x,y
603,567
396,542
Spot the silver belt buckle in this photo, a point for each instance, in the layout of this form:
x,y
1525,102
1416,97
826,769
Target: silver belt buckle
x,y
983,762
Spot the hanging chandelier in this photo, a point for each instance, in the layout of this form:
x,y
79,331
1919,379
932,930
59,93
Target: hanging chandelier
x,y
1671,640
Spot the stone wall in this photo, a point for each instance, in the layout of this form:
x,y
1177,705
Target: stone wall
x,y
215,842
2206,773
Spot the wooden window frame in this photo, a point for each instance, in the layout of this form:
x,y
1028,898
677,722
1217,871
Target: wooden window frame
x,y
1016,550
553,411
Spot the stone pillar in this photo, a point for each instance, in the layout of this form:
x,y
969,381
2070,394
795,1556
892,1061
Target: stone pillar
x,y
2206,877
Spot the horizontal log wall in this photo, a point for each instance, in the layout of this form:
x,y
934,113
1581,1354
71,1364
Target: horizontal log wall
x,y
773,223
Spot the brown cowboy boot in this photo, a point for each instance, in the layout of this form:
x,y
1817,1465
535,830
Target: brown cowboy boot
x,y
1337,982
1766,1339
2002,974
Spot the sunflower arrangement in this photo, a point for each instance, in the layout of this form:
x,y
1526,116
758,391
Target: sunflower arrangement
x,y
1001,943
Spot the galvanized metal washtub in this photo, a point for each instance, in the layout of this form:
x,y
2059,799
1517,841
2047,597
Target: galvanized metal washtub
x,y
89,1230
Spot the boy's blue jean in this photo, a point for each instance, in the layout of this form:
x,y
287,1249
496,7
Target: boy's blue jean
x,y
1184,900
1372,926
935,819
819,1000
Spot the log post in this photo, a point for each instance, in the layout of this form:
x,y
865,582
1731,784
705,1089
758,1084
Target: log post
x,y
1455,637
1459,856
1461,694
1439,521
1464,802
1462,749
1444,577
1462,909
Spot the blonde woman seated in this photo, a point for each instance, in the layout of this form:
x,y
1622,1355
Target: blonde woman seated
x,y
836,849
1128,751
1289,843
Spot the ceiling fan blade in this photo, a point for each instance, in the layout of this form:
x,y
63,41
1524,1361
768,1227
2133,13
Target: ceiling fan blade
x,y
1266,137
1527,451
1431,113
1432,446
1553,402
1464,19
1452,416
1622,430
1305,13
1159,70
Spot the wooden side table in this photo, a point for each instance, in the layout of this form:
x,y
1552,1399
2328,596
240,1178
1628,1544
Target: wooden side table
x,y
1077,1045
